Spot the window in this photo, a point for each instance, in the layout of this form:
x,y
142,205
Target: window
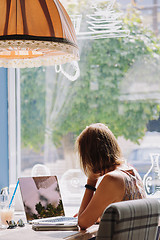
x,y
119,86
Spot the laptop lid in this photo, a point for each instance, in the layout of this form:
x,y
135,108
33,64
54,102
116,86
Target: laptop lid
x,y
41,197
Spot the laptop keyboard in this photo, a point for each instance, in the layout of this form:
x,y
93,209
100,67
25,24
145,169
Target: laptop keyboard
x,y
59,219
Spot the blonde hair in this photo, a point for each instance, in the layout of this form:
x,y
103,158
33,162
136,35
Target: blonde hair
x,y
98,148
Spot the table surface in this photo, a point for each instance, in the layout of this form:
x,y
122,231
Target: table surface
x,y
26,233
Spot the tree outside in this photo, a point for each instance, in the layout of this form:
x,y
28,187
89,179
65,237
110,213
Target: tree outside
x,y
103,93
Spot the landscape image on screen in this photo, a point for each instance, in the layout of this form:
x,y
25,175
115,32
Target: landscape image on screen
x,y
41,197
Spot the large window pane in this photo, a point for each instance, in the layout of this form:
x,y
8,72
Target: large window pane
x,y
119,86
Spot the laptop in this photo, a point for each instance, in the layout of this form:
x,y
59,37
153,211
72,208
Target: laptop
x,y
43,204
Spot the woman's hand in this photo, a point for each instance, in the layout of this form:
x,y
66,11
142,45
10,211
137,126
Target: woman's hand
x,y
93,176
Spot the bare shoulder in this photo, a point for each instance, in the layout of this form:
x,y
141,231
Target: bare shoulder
x,y
113,176
114,183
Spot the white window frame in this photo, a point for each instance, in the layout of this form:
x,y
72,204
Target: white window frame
x,y
14,125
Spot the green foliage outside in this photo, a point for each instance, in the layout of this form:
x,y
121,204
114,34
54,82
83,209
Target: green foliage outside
x,y
95,96
114,58
32,107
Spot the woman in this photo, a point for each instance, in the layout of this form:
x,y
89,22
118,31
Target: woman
x,y
100,155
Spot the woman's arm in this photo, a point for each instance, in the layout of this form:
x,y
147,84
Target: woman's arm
x,y
87,195
110,189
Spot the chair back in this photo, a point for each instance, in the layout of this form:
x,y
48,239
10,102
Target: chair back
x,y
130,220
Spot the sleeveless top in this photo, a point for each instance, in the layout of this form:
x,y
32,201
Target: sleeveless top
x,y
133,185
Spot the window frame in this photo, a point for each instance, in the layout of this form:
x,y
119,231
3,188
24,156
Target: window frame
x,y
14,125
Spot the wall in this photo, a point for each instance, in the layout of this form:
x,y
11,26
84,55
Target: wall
x,y
4,162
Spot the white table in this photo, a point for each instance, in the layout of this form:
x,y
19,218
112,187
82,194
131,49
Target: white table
x,y
26,233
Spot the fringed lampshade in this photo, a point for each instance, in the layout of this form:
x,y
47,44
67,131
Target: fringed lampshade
x,y
35,33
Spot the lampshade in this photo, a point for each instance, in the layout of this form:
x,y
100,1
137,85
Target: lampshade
x,y
35,33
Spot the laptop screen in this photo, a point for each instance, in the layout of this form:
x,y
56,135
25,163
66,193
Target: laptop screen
x,y
41,197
